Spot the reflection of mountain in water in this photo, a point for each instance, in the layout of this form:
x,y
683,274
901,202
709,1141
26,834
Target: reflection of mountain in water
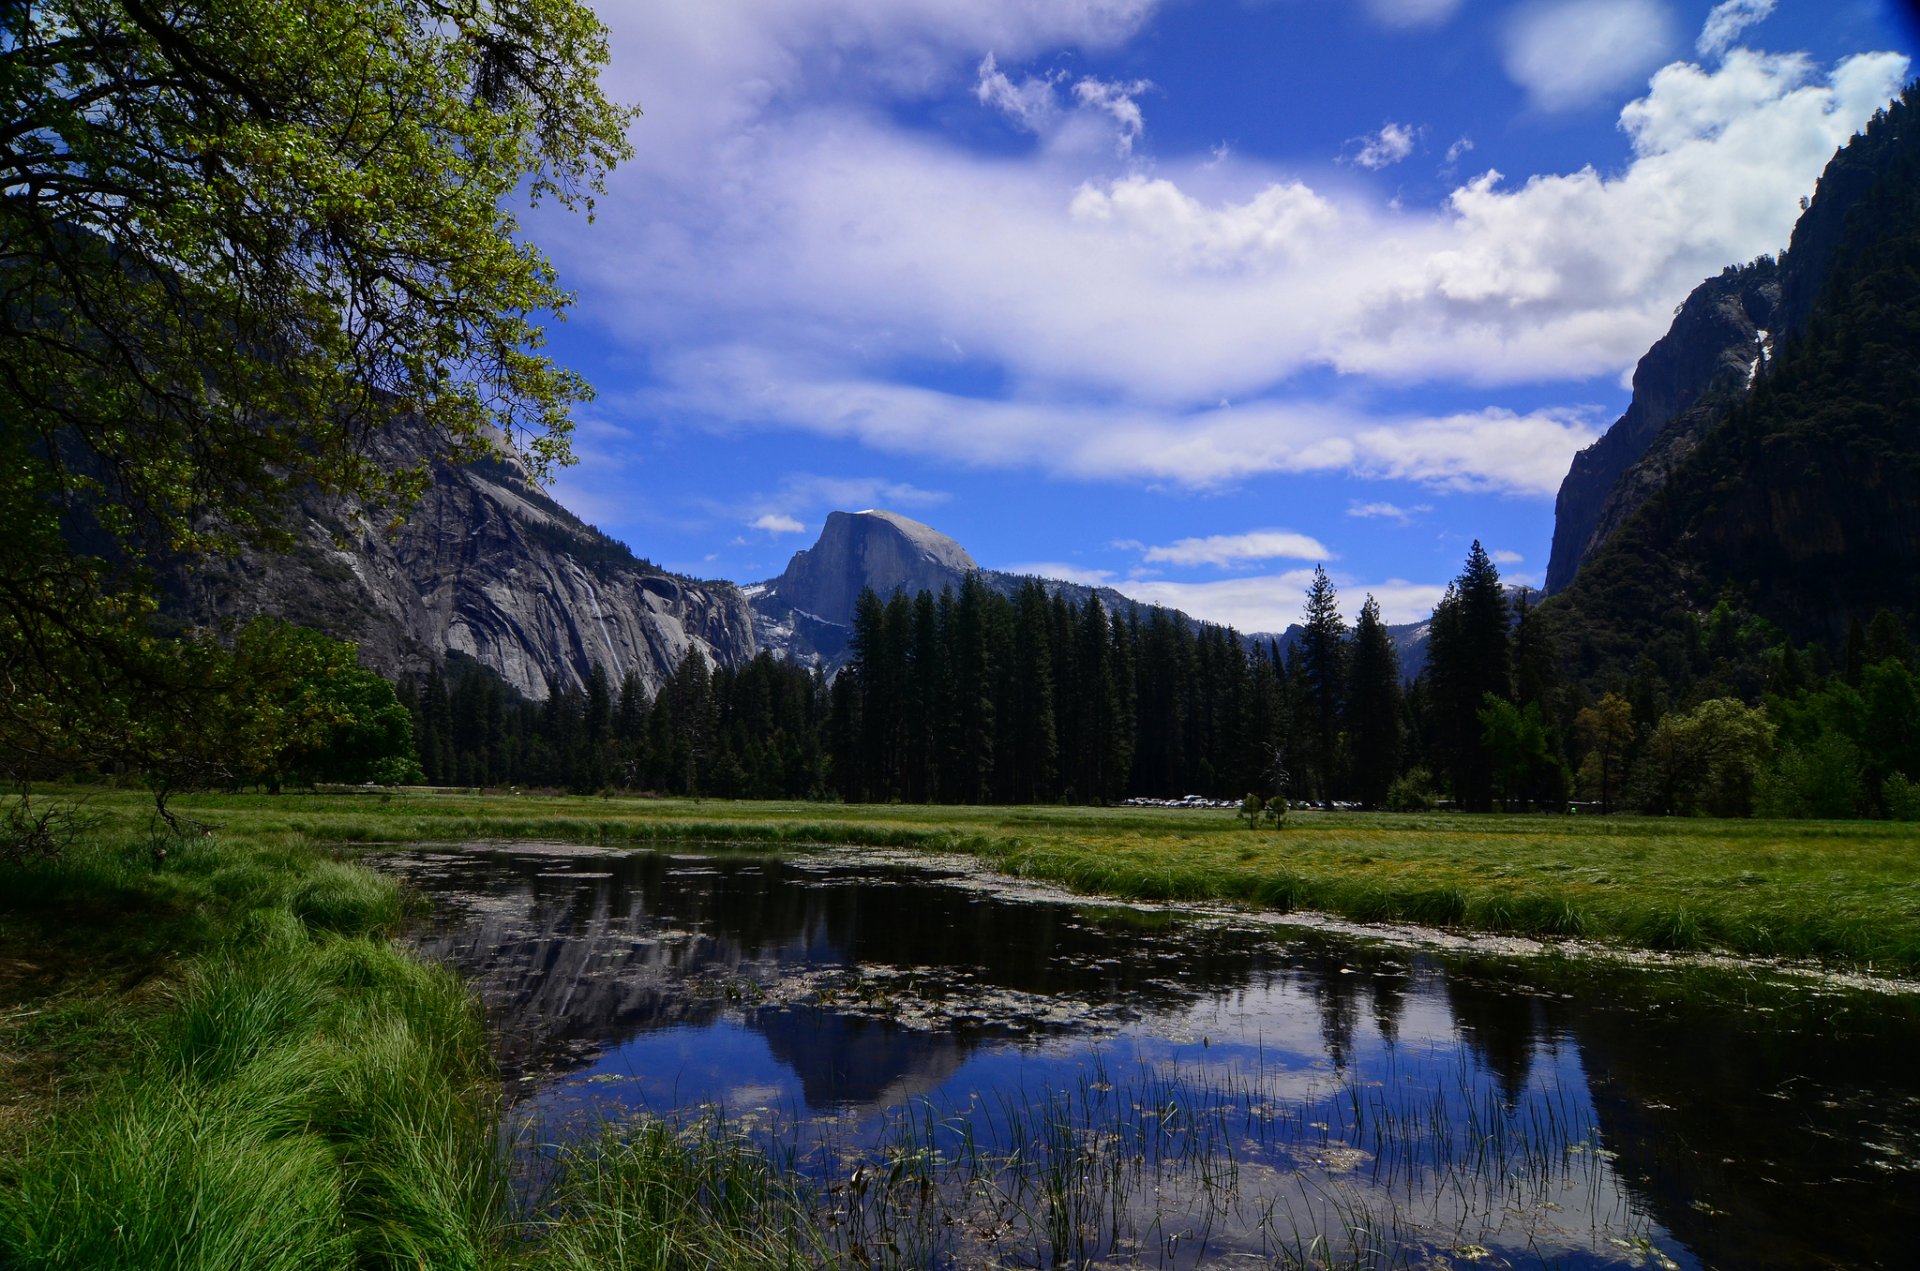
x,y
1763,1126
853,979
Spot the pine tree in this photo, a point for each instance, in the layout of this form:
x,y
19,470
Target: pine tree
x,y
1468,658
1035,753
1323,659
1373,708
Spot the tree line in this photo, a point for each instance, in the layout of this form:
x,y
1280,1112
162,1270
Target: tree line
x,y
975,696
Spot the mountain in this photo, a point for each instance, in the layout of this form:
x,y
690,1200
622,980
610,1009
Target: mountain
x,y
485,566
1799,500
807,612
1718,339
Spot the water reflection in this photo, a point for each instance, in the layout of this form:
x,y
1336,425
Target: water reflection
x,y
1546,1112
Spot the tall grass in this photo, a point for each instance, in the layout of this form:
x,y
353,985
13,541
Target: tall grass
x,y
1156,1167
301,1095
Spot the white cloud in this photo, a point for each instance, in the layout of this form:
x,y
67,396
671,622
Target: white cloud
x,y
1270,603
1035,105
1567,53
1231,549
778,523
1487,450
1387,511
778,270
1412,13
1117,101
1276,224
1385,148
1062,572
1726,23
842,494
1459,150
1507,558
1032,103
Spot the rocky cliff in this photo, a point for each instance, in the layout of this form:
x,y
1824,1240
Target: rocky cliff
x,y
1799,502
486,566
1711,352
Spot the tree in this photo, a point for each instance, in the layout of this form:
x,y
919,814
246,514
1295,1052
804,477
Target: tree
x,y
1524,765
1606,729
1373,707
1707,759
1323,661
1467,658
239,246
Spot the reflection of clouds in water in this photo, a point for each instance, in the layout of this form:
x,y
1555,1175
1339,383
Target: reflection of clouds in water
x,y
837,991
755,1096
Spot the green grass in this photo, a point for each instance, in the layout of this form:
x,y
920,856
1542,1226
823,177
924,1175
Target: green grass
x,y
1847,893
224,1062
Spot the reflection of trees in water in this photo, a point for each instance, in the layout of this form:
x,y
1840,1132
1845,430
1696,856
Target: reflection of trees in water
x,y
1390,981
567,964
1501,1022
1741,1114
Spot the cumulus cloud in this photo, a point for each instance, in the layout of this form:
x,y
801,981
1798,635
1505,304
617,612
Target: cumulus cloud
x,y
1224,550
1459,150
778,523
1385,148
1726,23
1504,557
779,272
1412,13
1270,603
1568,53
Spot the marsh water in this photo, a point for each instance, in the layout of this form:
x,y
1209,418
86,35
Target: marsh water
x,y
968,1071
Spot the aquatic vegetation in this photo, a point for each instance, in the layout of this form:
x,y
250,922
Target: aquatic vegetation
x,y
1160,1166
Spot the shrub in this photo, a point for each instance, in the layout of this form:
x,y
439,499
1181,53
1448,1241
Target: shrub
x,y
1411,792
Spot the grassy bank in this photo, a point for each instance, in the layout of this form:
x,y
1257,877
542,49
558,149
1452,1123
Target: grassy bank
x,y
220,1059
1845,892
223,1062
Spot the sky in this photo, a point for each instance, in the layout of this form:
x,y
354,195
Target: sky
x,y
1185,297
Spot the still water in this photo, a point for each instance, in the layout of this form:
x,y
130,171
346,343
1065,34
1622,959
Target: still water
x,y
976,1072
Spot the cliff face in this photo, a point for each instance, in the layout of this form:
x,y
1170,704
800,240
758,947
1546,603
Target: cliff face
x,y
1707,355
806,614
857,550
1799,500
487,566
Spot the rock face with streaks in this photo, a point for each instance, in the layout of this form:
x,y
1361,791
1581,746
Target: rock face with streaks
x,y
485,566
856,550
806,614
1711,353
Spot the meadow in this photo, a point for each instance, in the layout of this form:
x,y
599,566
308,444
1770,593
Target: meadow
x,y
1843,892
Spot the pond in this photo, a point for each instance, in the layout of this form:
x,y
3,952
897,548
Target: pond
x,y
974,1071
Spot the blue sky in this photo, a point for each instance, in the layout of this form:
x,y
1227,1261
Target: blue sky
x,y
1183,296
